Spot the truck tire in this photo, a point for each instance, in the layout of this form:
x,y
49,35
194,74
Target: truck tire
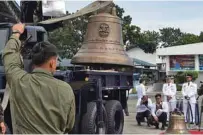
x,y
89,120
115,117
75,129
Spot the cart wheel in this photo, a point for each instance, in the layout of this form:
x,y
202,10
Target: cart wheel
x,y
89,120
115,117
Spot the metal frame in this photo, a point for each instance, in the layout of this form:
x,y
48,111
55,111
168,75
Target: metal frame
x,y
96,80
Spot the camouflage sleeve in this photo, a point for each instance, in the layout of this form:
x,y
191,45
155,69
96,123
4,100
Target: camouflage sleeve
x,y
12,59
1,114
71,117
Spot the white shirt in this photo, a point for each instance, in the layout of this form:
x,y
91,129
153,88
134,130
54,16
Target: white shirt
x,y
140,90
190,91
164,108
141,107
169,89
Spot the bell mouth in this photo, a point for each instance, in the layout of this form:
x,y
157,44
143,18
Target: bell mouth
x,y
102,61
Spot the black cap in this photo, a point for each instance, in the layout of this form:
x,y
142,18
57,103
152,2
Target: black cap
x,y
188,75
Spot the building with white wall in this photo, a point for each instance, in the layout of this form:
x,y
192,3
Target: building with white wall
x,y
141,55
182,58
145,63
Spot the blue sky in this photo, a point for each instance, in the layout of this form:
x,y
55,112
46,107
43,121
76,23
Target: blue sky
x,y
153,15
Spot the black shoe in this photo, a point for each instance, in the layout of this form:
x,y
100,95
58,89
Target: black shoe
x,y
148,124
162,128
127,114
157,126
139,124
191,123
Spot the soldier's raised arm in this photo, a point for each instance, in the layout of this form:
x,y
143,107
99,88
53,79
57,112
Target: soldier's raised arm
x,y
11,55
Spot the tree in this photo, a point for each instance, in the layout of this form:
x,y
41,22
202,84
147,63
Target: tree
x,y
201,36
170,36
131,33
188,38
174,36
149,41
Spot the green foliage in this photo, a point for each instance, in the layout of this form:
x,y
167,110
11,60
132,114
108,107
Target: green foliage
x,y
134,91
180,77
174,36
149,41
179,88
145,78
188,38
201,36
170,36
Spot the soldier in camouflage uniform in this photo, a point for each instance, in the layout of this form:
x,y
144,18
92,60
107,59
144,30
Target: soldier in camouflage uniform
x,y
40,103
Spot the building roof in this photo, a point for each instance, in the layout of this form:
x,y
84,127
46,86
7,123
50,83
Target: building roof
x,y
189,49
138,62
9,11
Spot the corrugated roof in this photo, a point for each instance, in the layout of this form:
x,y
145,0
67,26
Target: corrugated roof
x,y
138,62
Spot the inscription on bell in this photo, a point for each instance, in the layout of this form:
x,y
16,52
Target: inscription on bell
x,y
104,30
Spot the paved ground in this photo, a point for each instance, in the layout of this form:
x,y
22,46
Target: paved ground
x,y
131,127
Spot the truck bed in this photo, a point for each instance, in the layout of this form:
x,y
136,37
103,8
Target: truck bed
x,y
111,80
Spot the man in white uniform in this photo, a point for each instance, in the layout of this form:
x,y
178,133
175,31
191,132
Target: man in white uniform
x,y
159,112
144,105
189,92
169,91
141,91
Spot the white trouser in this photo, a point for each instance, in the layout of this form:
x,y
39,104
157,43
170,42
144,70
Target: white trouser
x,y
171,107
185,107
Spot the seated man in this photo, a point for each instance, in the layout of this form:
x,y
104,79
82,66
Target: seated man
x,y
159,112
143,109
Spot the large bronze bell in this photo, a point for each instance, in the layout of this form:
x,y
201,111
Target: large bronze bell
x,y
177,125
103,42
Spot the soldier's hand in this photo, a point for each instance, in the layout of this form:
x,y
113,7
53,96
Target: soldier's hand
x,y
3,127
156,118
19,28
